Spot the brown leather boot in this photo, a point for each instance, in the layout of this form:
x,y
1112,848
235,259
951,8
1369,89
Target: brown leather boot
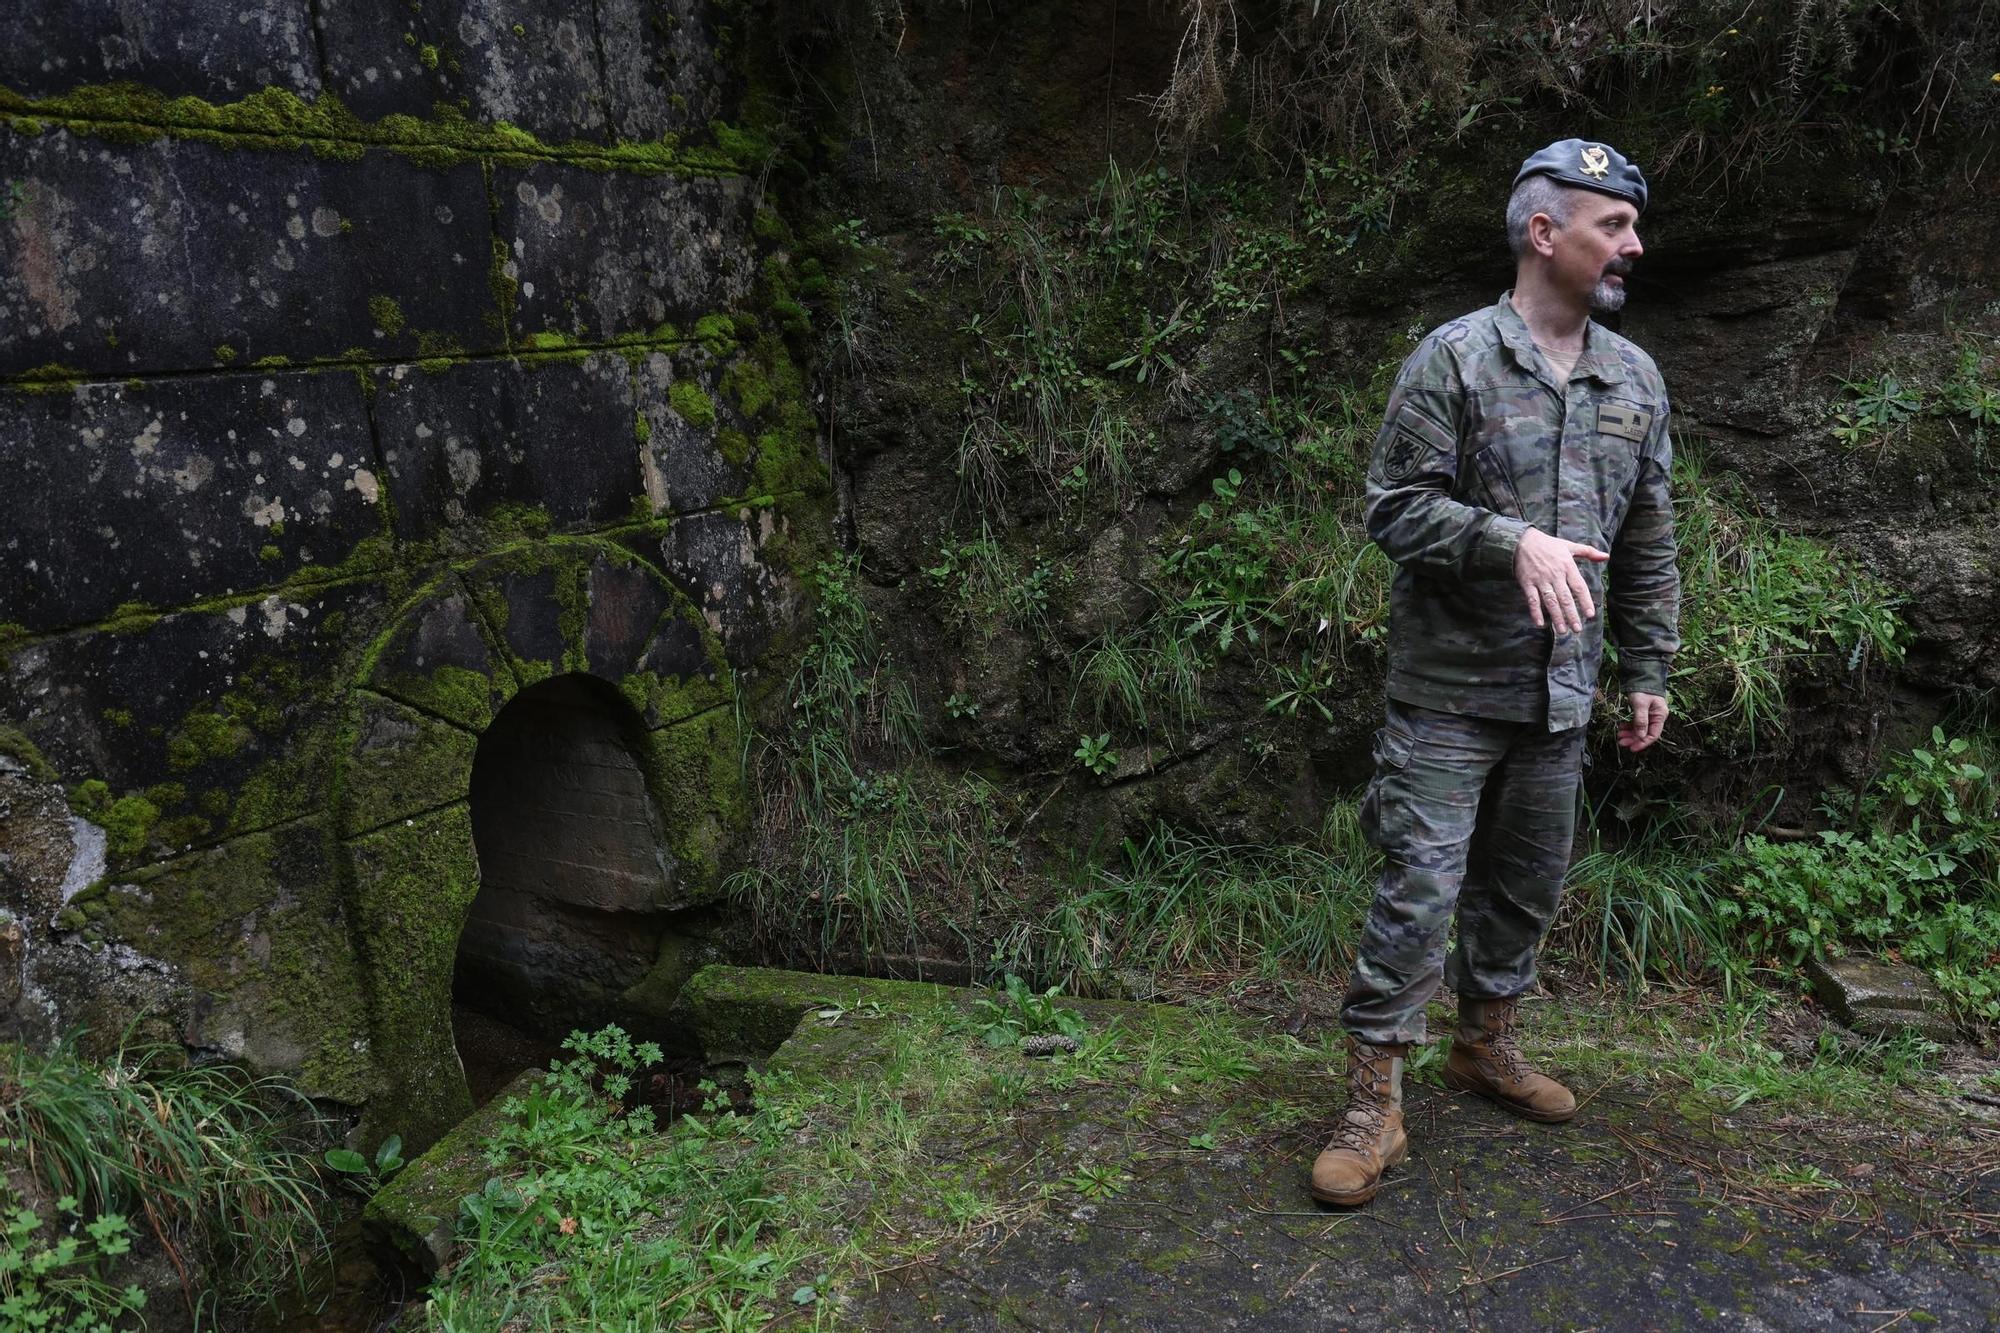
x,y
1485,1060
1370,1139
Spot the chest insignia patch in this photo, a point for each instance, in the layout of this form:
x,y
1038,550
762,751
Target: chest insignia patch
x,y
1628,423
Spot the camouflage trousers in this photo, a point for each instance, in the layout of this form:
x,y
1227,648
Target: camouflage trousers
x,y
1475,817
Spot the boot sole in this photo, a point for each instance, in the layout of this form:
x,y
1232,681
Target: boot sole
x,y
1458,1082
1361,1196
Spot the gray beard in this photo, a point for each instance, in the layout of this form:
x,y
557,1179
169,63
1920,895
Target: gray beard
x,y
1607,298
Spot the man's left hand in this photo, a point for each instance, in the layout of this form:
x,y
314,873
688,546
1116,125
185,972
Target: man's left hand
x,y
1649,716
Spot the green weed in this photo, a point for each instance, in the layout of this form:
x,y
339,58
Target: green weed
x,y
1730,1061
1644,909
368,1174
1761,606
1096,755
1871,410
1022,1012
1189,904
55,1282
1151,683
863,847
1916,875
1973,390
204,1154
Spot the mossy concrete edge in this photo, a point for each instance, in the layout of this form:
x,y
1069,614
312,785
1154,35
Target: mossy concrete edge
x,y
416,1211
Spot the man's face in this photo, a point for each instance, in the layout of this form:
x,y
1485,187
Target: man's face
x,y
1594,250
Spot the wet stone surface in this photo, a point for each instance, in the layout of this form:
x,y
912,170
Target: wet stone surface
x,y
127,257
684,467
205,701
661,73
458,442
1628,1218
603,254
216,51
627,69
177,490
404,59
718,557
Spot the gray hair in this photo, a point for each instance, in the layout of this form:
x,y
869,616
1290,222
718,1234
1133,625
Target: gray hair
x,y
1536,194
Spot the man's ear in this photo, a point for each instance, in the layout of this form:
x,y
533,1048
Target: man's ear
x,y
1542,234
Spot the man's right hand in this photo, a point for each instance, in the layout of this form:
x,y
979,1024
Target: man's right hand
x,y
1545,567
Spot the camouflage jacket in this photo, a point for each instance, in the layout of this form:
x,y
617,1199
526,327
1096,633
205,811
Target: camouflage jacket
x,y
1479,441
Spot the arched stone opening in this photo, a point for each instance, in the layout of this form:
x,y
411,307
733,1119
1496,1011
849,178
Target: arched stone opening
x,y
574,874
510,665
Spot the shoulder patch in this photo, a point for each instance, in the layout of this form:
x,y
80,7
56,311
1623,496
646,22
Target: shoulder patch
x,y
1405,456
1416,444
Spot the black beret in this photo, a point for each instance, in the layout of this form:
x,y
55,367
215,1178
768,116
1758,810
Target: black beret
x,y
1588,166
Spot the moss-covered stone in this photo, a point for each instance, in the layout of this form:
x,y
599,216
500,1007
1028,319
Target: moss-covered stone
x,y
288,995
401,762
413,883
416,1212
22,751
695,772
127,821
692,403
745,1014
275,118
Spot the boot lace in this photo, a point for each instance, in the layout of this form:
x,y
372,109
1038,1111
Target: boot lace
x,y
1361,1127
1500,1044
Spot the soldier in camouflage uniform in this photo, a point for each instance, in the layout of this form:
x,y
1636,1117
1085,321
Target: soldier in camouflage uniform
x,y
1523,458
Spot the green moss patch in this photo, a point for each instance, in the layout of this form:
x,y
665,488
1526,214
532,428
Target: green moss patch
x,y
21,750
692,403
273,118
401,762
694,771
387,315
413,883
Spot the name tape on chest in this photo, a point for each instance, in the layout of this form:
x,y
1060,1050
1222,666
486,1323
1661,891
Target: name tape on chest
x,y
1628,423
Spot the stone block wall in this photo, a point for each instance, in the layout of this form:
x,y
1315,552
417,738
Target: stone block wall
x,y
362,365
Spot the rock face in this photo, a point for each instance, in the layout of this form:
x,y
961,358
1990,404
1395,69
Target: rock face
x,y
1818,266
329,435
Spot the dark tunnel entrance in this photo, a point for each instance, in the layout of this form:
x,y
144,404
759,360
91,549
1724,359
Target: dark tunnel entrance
x,y
573,875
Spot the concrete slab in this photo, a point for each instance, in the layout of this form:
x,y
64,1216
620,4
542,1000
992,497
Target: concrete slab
x,y
1879,998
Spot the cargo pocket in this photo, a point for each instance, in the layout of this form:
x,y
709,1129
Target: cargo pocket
x,y
1385,806
1493,475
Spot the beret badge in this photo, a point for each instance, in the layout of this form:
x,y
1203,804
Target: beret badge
x,y
1586,164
